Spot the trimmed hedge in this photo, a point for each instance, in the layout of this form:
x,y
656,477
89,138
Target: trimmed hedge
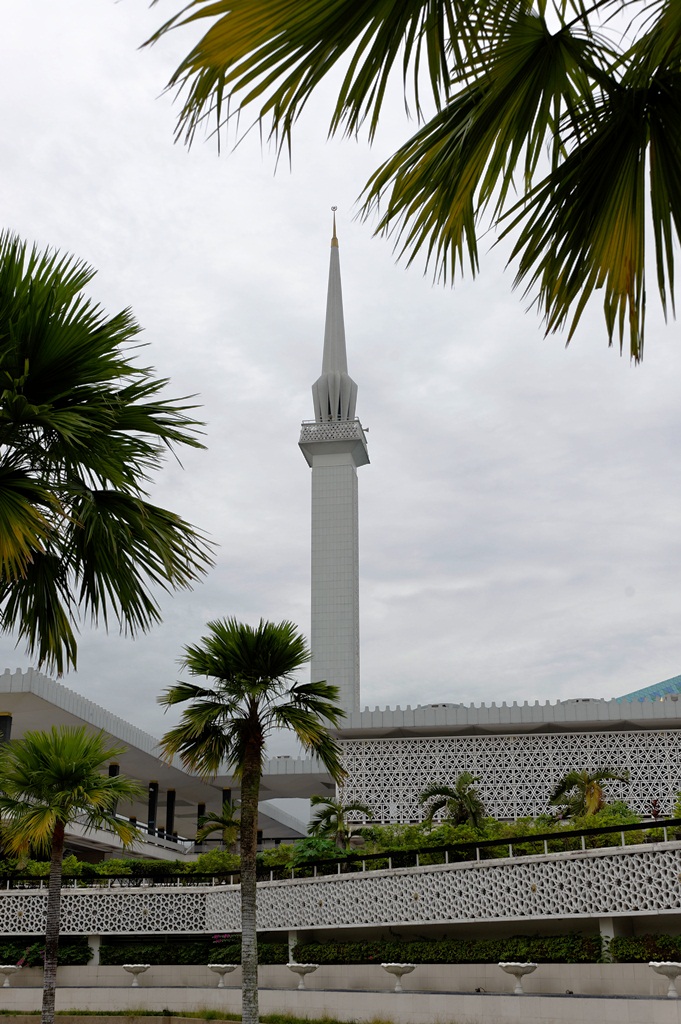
x,y
572,949
189,951
73,952
645,948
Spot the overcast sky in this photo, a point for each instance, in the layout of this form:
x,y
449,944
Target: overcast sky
x,y
519,521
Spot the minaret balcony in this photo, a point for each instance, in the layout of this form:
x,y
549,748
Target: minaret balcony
x,y
331,436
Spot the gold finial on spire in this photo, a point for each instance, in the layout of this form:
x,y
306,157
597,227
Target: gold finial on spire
x,y
334,240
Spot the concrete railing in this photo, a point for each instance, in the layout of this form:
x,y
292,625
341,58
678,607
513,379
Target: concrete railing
x,y
603,883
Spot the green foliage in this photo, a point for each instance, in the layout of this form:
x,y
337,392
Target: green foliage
x,y
114,868
276,856
580,793
331,819
215,862
313,848
557,122
644,948
460,803
617,813
81,431
73,951
206,950
226,823
572,948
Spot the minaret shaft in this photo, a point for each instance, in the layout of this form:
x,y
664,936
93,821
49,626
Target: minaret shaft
x,y
334,445
334,635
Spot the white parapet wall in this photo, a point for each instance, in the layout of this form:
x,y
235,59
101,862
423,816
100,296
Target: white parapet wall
x,y
549,979
408,1007
625,882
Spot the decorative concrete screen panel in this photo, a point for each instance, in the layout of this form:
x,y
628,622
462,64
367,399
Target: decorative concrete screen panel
x,y
516,772
595,883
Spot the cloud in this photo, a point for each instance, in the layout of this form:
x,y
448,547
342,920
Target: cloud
x,y
519,534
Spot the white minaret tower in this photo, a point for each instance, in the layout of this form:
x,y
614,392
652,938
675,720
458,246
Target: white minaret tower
x,y
334,445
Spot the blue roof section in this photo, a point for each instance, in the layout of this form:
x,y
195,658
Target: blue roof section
x,y
658,691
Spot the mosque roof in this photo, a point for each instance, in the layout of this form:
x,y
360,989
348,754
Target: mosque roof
x,y
658,691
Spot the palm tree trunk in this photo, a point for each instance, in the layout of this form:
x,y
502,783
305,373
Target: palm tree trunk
x,y
52,924
250,791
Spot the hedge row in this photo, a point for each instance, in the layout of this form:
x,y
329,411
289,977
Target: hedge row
x,y
194,951
645,948
73,952
571,949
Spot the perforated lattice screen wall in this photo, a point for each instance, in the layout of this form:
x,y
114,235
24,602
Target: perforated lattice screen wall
x,y
516,773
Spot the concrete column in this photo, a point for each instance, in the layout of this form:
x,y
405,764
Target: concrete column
x,y
292,942
114,772
609,927
170,812
152,808
94,942
5,727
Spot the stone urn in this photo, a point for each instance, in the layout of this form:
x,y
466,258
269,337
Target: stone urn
x,y
8,970
518,971
668,970
398,970
222,969
136,970
301,970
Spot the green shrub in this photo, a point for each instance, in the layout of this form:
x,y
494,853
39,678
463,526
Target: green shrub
x,y
114,868
73,952
645,948
215,862
313,848
225,949
572,948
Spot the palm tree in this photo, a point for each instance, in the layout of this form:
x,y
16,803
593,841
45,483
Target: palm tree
x,y
48,780
330,820
227,724
226,822
81,429
551,120
461,802
581,792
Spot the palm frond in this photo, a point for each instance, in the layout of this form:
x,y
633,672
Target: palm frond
x,y
562,111
56,776
82,428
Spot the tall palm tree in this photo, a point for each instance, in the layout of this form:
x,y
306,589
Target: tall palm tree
x,y
581,792
81,430
226,725
461,802
225,821
47,781
330,820
560,121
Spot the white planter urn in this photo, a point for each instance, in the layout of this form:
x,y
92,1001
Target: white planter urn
x,y
222,969
136,970
398,970
668,970
8,970
301,970
518,971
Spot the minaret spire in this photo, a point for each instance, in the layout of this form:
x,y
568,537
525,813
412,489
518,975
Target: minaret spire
x,y
334,394
335,446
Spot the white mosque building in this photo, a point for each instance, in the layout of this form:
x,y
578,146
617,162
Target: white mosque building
x,y
517,751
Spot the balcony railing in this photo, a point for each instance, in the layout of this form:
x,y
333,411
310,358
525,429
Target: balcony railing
x,y
515,847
